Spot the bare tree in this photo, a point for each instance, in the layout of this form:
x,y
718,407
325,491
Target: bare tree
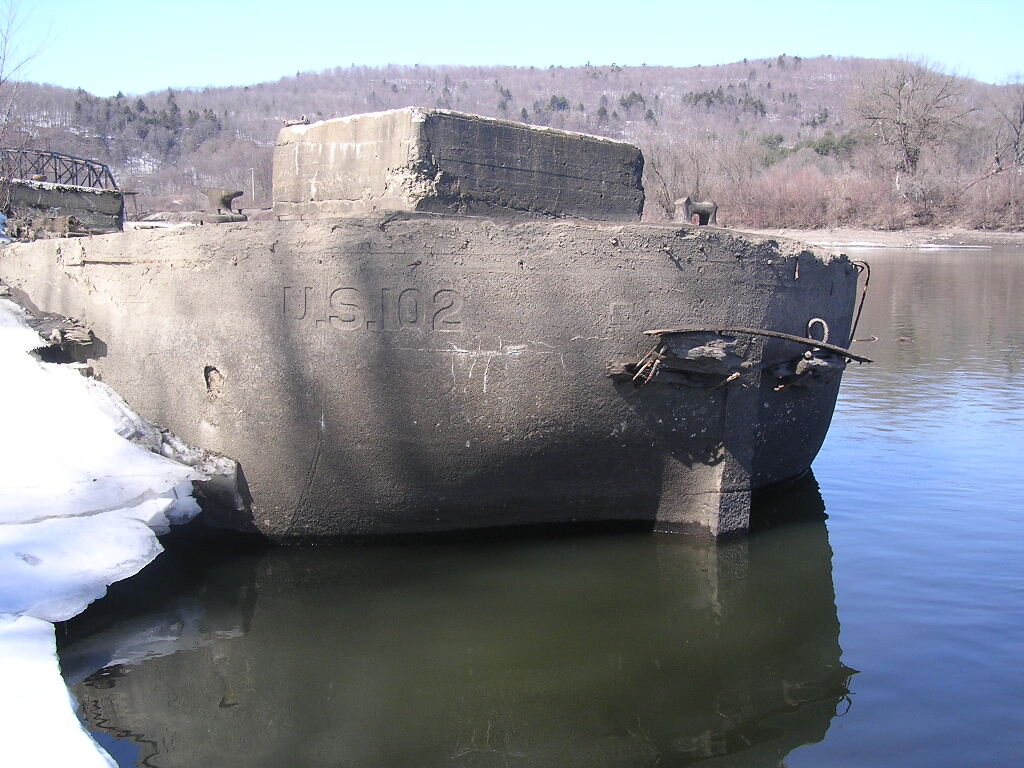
x,y
911,109
13,59
1007,143
1010,136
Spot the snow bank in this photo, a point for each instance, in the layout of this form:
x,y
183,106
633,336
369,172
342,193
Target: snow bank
x,y
80,508
38,713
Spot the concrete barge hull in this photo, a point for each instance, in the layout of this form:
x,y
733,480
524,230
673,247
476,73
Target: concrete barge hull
x,y
426,373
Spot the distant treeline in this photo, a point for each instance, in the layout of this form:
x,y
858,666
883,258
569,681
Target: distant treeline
x,y
776,142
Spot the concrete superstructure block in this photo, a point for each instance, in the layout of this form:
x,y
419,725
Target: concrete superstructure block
x,y
440,161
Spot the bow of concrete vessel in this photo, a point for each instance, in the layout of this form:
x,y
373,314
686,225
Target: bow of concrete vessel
x,y
443,358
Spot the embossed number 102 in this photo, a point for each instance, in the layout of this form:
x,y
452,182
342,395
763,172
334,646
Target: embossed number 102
x,y
398,309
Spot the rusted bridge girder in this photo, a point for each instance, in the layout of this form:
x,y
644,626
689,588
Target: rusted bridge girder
x,y
31,164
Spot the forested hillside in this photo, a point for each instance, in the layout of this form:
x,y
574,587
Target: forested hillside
x,y
776,142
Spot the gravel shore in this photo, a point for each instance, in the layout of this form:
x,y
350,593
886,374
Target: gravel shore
x,y
907,238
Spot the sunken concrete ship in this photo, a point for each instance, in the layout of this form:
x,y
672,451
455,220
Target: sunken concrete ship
x,y
456,323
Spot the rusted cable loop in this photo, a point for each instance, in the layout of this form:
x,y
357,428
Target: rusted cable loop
x,y
771,334
824,329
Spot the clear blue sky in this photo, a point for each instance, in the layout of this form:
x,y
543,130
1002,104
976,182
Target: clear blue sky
x,y
139,45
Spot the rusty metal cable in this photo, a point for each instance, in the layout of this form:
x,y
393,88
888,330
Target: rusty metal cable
x,y
862,266
723,331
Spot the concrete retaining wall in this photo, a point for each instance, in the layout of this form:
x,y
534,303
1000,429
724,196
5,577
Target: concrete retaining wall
x,y
97,211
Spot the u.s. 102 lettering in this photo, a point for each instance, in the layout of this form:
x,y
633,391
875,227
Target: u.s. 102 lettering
x,y
348,308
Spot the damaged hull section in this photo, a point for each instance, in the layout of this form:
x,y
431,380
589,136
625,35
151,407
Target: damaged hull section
x,y
418,373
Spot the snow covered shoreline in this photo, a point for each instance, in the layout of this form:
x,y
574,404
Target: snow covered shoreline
x,y
82,506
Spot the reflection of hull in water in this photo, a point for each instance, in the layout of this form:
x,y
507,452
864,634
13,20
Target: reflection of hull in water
x,y
428,373
600,651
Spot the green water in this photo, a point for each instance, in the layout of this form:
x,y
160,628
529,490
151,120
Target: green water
x,y
888,634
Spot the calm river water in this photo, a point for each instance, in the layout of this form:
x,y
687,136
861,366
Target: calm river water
x,y
877,621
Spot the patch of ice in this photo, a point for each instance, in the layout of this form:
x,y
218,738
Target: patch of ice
x,y
38,715
66,448
83,501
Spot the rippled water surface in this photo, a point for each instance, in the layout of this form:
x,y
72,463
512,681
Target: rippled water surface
x,y
890,633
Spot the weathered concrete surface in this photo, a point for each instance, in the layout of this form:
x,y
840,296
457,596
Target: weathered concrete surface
x,y
190,217
416,159
97,210
431,373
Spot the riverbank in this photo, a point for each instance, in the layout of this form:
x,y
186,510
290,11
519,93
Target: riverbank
x,y
922,237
